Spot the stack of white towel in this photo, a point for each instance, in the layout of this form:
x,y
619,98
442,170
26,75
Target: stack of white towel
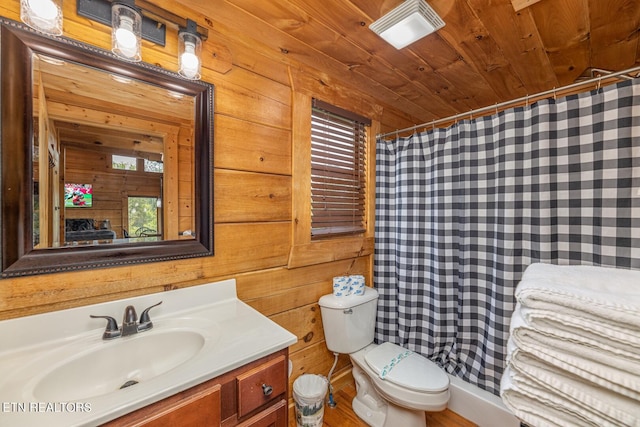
x,y
574,349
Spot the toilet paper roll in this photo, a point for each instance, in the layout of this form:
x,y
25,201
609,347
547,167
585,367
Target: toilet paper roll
x,y
341,286
357,284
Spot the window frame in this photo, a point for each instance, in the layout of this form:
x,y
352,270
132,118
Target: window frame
x,y
304,251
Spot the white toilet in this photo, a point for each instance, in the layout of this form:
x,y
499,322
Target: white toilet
x,y
394,385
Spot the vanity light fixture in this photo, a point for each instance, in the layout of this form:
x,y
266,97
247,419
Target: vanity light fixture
x,y
126,30
407,23
189,48
42,15
132,21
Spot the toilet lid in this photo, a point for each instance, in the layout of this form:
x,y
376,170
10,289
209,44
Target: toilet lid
x,y
406,369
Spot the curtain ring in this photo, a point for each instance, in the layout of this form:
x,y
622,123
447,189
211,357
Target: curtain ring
x,y
599,83
526,101
496,108
555,97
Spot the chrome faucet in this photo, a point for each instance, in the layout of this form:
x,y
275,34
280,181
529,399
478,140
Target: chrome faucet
x,y
130,323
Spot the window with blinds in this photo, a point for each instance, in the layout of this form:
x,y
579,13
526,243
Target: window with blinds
x,y
338,171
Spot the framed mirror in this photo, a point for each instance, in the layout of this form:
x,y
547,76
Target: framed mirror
x,y
104,162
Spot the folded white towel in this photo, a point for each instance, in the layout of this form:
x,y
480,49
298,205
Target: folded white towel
x,y
535,411
573,357
617,374
598,404
600,292
588,348
582,329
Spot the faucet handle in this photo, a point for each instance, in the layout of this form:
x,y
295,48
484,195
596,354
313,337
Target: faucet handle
x,y
111,330
145,321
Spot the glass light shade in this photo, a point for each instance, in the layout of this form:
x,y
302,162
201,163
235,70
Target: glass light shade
x,y
189,49
126,32
42,15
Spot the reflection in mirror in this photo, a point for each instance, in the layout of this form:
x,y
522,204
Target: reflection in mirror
x,y
104,162
103,141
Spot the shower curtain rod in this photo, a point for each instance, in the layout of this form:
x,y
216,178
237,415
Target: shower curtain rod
x,y
619,75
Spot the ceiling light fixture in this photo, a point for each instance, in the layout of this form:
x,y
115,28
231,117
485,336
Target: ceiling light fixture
x,y
407,23
42,15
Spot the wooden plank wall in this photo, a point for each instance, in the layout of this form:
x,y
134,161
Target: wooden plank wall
x,y
254,194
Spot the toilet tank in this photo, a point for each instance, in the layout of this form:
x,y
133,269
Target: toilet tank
x,y
349,321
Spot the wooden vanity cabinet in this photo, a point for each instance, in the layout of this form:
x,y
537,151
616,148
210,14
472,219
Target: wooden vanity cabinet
x,y
254,395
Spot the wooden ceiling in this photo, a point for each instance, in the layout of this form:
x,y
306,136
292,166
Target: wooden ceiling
x,y
489,51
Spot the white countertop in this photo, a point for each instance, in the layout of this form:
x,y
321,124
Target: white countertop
x,y
30,347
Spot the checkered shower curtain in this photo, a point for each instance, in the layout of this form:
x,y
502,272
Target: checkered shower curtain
x,y
462,211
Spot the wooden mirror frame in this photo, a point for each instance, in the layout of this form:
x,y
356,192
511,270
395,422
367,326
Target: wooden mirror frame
x,y
19,258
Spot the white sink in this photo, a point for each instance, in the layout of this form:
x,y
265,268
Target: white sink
x,y
117,364
56,370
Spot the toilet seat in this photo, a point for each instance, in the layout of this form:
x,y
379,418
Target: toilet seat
x,y
410,370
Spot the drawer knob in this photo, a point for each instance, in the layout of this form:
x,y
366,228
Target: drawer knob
x,y
267,389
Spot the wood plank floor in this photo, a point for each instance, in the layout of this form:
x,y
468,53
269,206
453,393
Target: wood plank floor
x,y
343,416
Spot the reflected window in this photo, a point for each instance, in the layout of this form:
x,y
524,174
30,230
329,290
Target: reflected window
x,y
143,216
124,162
153,166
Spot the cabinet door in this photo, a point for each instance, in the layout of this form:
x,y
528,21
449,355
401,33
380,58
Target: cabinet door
x,y
274,416
187,409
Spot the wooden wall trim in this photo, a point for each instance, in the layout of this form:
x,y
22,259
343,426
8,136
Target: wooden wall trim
x,y
322,251
301,169
328,90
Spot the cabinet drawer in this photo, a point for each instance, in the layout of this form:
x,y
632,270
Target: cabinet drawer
x,y
194,407
261,385
273,416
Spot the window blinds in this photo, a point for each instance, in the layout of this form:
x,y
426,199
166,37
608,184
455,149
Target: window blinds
x,y
338,171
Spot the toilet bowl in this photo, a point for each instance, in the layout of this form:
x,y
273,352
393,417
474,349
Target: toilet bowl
x,y
394,386
413,386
